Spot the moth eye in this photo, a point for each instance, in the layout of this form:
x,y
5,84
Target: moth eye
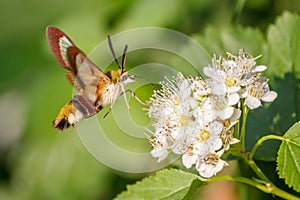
x,y
124,77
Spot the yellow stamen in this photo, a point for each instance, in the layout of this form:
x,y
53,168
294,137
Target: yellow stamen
x,y
231,82
184,120
177,101
204,135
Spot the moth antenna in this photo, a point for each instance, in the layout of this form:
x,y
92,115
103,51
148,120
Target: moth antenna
x,y
124,58
113,52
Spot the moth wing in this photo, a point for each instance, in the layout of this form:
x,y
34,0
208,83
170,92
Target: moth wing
x,y
84,75
90,79
59,42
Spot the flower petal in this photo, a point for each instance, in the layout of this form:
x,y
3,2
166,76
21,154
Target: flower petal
x,y
233,99
233,89
205,170
215,128
226,113
234,141
188,160
252,102
260,68
270,97
236,115
161,154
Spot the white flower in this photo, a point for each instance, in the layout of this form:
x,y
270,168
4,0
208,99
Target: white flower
x,y
199,88
258,91
171,109
160,144
233,76
161,153
207,137
227,135
181,121
181,144
225,77
189,158
195,117
210,164
171,104
217,106
214,71
217,87
245,61
216,76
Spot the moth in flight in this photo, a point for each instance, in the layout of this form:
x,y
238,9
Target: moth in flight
x,y
96,89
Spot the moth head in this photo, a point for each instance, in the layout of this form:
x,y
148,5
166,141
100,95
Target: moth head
x,y
126,78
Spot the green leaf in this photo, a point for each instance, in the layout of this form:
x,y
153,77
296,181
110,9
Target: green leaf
x,y
281,56
219,40
141,14
283,45
195,186
166,184
273,118
288,160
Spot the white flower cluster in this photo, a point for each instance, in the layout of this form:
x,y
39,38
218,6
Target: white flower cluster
x,y
194,117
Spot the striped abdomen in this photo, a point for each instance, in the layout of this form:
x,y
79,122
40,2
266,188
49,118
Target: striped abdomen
x,y
78,108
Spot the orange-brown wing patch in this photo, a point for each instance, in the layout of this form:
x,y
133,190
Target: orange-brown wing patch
x,y
59,42
102,84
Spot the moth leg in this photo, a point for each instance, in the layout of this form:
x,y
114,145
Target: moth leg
x,y
107,112
136,97
123,93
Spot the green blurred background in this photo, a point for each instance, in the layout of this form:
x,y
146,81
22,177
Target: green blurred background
x,y
36,162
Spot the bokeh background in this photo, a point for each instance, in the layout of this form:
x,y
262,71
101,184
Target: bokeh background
x,y
37,162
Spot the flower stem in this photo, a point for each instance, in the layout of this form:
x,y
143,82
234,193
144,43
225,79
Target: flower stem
x,y
248,158
267,188
237,125
243,129
256,169
261,140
